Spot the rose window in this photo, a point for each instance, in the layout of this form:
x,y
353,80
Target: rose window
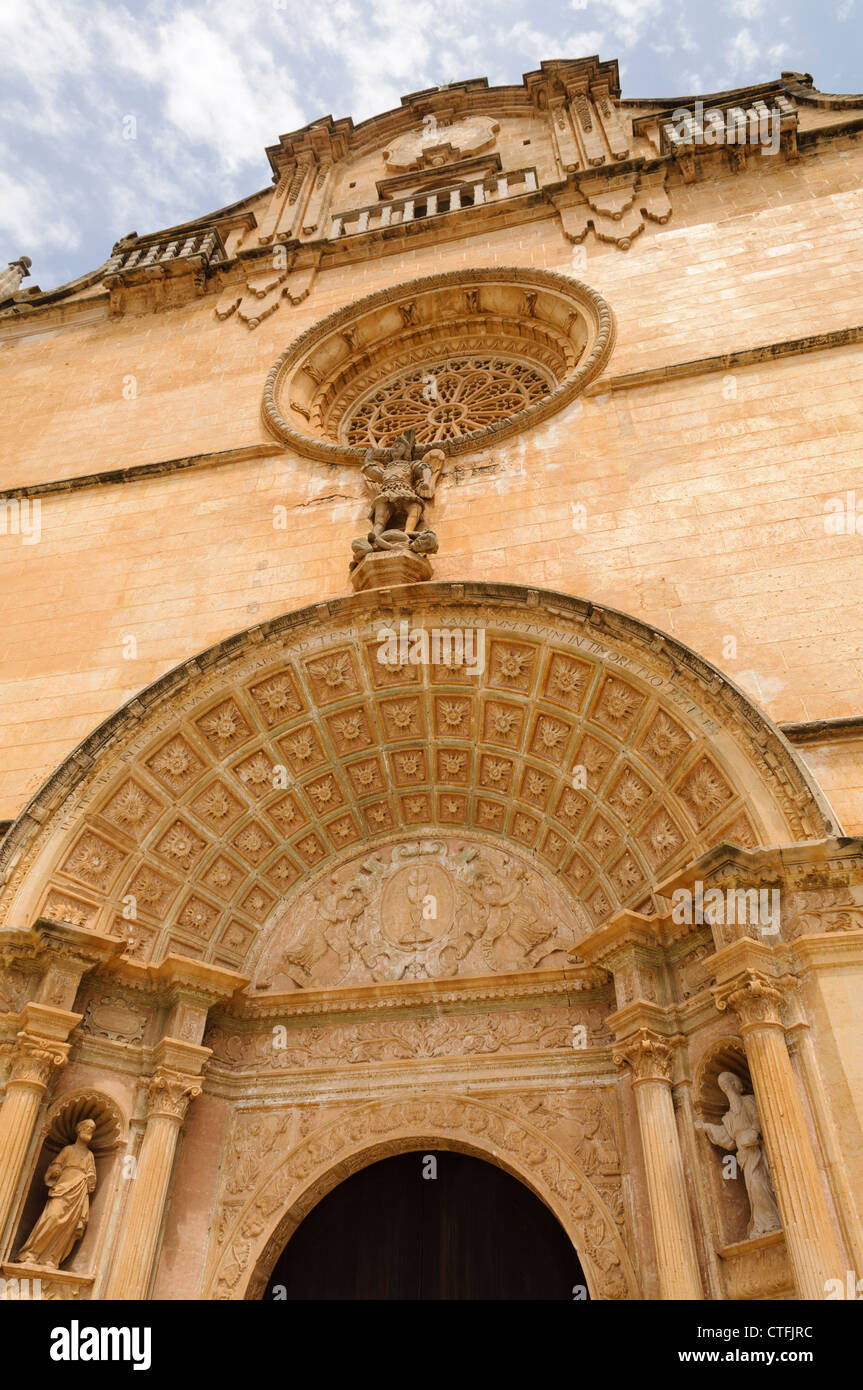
x,y
464,359
444,400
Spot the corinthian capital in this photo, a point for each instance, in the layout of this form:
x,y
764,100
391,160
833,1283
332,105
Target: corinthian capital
x,y
34,1060
648,1054
169,1093
753,997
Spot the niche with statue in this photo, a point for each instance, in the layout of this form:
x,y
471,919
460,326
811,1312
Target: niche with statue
x,y
727,1117
68,1198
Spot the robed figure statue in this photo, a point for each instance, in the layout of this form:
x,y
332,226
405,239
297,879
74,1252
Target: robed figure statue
x,y
740,1131
70,1179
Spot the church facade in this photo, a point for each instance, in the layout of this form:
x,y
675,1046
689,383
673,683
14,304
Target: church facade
x,y
432,715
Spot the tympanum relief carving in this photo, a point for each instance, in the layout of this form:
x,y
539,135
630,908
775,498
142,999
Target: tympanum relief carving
x,y
420,911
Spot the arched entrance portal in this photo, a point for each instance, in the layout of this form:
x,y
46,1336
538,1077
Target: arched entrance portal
x,y
429,1225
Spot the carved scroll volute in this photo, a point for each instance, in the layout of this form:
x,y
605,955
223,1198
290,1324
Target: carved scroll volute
x,y
35,1060
169,1093
754,998
649,1056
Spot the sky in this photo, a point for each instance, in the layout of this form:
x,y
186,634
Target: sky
x,y
117,118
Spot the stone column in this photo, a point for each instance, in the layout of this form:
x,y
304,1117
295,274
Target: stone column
x,y
806,1220
168,1095
650,1057
38,1054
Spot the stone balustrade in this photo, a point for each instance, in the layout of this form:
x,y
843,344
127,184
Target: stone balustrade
x,y
205,245
416,206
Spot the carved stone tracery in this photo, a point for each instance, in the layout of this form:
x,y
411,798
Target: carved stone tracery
x,y
446,399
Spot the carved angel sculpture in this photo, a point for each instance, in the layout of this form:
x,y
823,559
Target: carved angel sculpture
x,y
740,1130
70,1179
400,483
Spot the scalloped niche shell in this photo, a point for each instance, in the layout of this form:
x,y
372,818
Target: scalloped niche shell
x,y
464,359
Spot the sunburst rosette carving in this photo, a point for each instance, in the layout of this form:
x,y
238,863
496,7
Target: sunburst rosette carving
x,y
94,861
223,877
496,773
661,839
571,808
663,743
282,873
198,917
567,680
367,777
452,808
617,706
63,906
591,762
409,767
453,766
175,764
152,892
224,728
453,717
332,676
704,792
402,718
378,817
511,666
259,773
502,723
524,827
350,731
277,698
302,749
416,809
550,738
385,674
535,786
323,794
132,809
217,807
286,814
180,846
342,831
601,838
629,795
253,843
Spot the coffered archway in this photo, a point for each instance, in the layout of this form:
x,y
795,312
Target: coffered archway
x,y
594,752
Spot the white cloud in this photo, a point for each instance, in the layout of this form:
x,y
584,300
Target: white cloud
x,y
744,48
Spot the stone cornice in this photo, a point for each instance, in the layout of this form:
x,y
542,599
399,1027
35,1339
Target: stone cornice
x,y
370,999
726,361
824,730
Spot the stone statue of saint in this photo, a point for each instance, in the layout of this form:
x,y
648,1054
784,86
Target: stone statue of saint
x,y
401,483
11,277
70,1179
740,1130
